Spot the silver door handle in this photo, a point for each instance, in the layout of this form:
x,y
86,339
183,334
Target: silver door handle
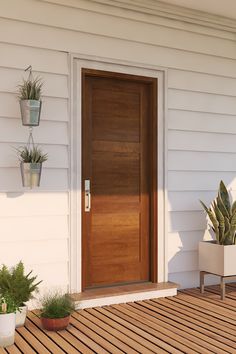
x,y
87,194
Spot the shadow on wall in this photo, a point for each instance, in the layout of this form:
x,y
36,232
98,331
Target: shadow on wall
x,y
188,226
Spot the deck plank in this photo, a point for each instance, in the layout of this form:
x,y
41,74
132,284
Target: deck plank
x,y
164,340
214,334
123,342
189,323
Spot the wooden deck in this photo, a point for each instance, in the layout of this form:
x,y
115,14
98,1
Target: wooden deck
x,y
187,323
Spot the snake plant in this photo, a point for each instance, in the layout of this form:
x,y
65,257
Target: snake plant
x,y
223,217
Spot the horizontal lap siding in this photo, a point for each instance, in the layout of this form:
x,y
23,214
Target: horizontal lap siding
x,y
201,122
201,152
33,224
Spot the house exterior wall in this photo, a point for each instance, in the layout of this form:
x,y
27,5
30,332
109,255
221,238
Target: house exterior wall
x,y
201,107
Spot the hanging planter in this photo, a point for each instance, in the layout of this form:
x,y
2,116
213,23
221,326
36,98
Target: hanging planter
x,y
31,174
29,94
30,112
31,160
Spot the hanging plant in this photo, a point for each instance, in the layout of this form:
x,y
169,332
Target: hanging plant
x,y
31,160
29,94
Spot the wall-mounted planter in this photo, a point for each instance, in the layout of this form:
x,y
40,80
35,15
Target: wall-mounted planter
x,y
31,174
30,112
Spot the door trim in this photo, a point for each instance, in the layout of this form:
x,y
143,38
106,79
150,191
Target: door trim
x,y
75,242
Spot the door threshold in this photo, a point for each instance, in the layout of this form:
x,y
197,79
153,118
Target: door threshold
x,y
122,294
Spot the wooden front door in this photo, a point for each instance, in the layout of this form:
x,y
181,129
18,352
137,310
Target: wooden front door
x,y
119,171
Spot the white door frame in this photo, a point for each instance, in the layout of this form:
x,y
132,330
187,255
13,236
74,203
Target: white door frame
x,y
75,242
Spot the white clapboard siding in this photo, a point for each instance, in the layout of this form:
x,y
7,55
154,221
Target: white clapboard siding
x,y
34,252
199,141
51,180
19,57
77,42
55,85
53,275
186,221
183,260
35,204
201,161
185,241
191,81
117,27
52,108
201,121
33,228
142,16
57,155
202,102
189,201
203,181
11,130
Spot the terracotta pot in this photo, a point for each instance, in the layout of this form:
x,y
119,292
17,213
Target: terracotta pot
x,y
55,324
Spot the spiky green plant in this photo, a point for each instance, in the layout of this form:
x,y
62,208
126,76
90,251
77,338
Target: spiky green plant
x,y
17,285
31,155
223,217
56,305
30,89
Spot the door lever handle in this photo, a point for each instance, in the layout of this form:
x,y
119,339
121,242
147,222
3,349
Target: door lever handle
x,y
87,195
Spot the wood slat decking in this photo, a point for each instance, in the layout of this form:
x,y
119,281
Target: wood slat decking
x,y
187,323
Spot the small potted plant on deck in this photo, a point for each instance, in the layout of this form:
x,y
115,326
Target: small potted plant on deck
x,y
20,286
7,320
219,256
29,94
56,310
31,159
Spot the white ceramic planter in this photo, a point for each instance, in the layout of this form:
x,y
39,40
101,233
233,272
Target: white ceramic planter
x,y
21,316
7,329
217,259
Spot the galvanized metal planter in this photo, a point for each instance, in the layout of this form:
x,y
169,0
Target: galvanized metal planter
x,y
31,174
30,112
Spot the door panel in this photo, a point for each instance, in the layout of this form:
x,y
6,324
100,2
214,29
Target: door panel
x,y
118,152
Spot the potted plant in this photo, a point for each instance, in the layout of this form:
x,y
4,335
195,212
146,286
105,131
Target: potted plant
x,y
31,159
7,320
219,256
56,310
29,94
20,287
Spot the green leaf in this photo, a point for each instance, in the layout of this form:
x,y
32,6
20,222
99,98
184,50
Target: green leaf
x,y
222,207
213,220
221,221
225,196
233,207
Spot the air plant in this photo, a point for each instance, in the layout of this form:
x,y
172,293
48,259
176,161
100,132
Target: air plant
x,y
31,155
30,89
